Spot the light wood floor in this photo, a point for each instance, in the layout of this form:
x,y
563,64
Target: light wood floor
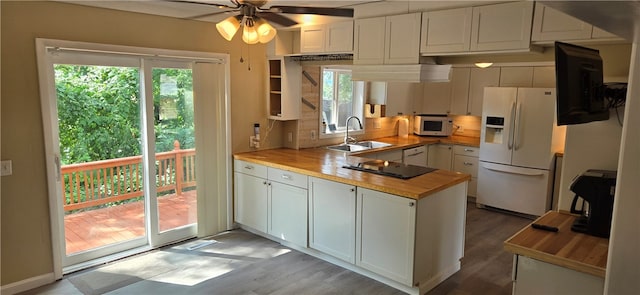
x,y
239,262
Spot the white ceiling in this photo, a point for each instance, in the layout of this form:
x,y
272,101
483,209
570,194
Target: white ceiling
x,y
211,13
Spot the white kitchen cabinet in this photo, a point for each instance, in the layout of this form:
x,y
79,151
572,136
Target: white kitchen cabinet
x,y
369,38
440,156
550,25
446,31
400,98
332,220
402,39
436,98
460,82
544,77
387,40
531,276
504,26
447,97
250,186
271,201
516,76
312,38
478,80
465,160
386,245
327,38
287,206
599,33
284,80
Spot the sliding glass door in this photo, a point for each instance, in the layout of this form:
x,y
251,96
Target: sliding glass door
x,y
173,206
124,130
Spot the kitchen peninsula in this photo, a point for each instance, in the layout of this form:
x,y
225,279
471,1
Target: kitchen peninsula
x,y
407,233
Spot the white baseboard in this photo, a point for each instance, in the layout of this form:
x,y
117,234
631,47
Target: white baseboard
x,y
27,284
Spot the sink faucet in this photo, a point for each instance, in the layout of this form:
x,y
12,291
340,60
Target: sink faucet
x,y
348,139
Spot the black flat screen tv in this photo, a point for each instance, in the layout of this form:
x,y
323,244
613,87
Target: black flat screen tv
x,y
579,85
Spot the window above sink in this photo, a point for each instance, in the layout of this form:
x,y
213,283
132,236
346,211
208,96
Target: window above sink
x,y
340,99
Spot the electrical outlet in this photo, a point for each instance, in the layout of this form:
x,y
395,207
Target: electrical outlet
x,y
313,135
5,168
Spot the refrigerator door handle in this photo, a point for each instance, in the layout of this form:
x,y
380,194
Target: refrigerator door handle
x,y
512,169
510,141
516,127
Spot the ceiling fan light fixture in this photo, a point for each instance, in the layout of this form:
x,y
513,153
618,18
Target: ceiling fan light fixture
x,y
250,35
228,27
265,31
483,65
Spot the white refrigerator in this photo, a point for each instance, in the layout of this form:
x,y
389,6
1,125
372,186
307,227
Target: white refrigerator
x,y
518,141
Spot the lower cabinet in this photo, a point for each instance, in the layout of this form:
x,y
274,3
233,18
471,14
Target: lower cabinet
x,y
288,213
385,234
410,244
250,187
440,156
465,160
532,276
332,220
272,201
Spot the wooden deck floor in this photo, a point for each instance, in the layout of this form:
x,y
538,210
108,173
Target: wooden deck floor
x,y
100,227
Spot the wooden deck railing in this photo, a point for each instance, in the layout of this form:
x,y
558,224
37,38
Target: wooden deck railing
x,y
96,183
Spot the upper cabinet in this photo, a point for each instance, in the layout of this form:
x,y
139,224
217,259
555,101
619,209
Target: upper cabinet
x,y
327,38
455,38
398,97
550,25
497,27
284,82
462,95
478,80
387,40
504,26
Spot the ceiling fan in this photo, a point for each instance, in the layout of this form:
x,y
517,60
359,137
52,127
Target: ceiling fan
x,y
253,17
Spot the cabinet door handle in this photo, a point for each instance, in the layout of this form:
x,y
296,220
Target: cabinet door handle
x,y
287,177
248,167
468,150
264,182
411,204
352,190
468,164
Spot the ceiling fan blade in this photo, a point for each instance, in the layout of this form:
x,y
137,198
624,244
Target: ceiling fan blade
x,y
206,3
343,12
276,18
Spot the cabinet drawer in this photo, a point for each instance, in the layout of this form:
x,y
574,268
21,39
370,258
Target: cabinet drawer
x,y
250,168
466,150
287,177
466,164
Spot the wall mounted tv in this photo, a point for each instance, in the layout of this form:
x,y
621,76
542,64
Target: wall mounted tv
x,y
579,85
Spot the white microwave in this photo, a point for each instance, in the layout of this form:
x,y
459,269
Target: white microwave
x,y
432,125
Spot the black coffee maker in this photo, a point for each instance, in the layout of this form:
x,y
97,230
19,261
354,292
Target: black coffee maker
x,y
596,188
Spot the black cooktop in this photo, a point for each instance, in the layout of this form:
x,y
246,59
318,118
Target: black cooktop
x,y
393,169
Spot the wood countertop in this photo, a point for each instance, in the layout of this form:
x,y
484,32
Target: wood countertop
x,y
564,248
327,164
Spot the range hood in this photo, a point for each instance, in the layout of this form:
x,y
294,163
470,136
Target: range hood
x,y
415,73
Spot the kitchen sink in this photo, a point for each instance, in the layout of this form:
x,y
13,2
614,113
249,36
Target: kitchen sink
x,y
373,144
359,146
